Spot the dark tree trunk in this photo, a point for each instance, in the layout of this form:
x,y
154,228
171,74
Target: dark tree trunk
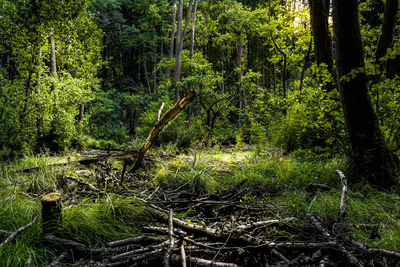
x,y
388,26
319,13
373,161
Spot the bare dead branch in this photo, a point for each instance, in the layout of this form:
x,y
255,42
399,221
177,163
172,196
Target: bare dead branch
x,y
20,230
342,209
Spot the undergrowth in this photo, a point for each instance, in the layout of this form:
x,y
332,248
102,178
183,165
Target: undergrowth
x,y
276,177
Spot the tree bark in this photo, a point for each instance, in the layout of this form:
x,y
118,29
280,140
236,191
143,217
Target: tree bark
x,y
319,13
372,160
171,44
388,26
178,52
53,61
81,117
159,126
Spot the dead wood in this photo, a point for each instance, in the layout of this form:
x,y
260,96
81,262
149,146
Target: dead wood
x,y
80,181
343,199
66,243
20,230
167,255
204,262
144,239
135,252
159,126
350,257
135,261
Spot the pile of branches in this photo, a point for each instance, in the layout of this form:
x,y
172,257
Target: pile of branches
x,y
235,227
228,228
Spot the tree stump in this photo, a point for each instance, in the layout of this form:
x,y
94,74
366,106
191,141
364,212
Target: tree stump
x,y
51,212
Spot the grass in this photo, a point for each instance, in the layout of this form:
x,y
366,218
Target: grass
x,y
92,221
283,178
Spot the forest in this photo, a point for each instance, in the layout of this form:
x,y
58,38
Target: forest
x,y
199,133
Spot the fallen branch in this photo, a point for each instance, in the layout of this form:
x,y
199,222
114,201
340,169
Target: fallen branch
x,y
203,262
342,209
92,187
70,244
132,260
183,254
23,228
159,126
132,240
167,255
373,251
129,254
262,223
351,259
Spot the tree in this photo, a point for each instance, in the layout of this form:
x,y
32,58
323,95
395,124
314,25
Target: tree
x,y
319,13
372,159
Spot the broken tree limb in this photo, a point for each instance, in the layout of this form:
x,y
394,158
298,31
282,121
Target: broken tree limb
x,y
167,255
373,251
238,238
204,262
80,181
66,243
350,257
262,223
135,252
132,240
183,254
159,126
160,111
342,208
20,230
135,259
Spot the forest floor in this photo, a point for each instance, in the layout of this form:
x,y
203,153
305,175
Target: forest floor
x,y
238,206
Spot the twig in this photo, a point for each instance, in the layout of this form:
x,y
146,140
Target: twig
x,y
23,228
167,255
342,209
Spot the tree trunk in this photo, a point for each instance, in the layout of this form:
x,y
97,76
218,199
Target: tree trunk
x,y
53,61
193,29
388,26
178,52
159,126
319,13
171,44
303,70
373,161
81,117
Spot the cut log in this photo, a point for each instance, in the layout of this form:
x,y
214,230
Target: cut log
x,y
51,212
